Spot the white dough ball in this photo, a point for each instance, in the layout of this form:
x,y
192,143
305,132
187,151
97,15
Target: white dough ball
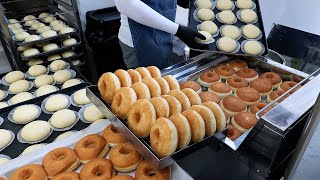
x,y
252,48
30,52
92,113
17,30
63,118
35,131
227,17
49,19
50,47
71,82
22,36
66,30
209,26
32,38
48,34
14,76
227,44
207,4
231,32
64,135
224,5
251,31
37,70
53,57
21,97
76,62
43,29
46,89
56,103
19,86
244,4
207,35
44,15
12,21
29,17
205,14
14,26
31,22
32,148
23,48
37,26
25,113
55,22
248,15
80,97
43,80
58,65
58,27
5,137
35,61
2,95
69,42
67,54
62,76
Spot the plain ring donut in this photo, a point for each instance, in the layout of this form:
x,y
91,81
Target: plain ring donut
x,y
32,171
108,85
123,101
68,176
112,135
97,169
124,77
146,172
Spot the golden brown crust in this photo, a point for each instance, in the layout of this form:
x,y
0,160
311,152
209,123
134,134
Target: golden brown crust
x,y
245,119
143,72
193,96
224,70
220,87
237,82
90,147
273,77
113,136
208,118
275,94
237,64
183,128
33,171
248,94
285,86
124,77
233,133
174,105
209,77
67,176
296,78
182,98
219,114
135,76
123,101
227,116
154,71
165,88
247,73
153,85
209,96
108,85
97,169
123,177
141,90
190,84
146,172
196,124
234,104
161,106
124,156
261,85
258,106
173,83
280,71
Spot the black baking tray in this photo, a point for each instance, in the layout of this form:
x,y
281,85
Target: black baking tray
x,y
212,47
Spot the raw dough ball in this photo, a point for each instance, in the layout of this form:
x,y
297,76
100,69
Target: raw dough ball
x,y
43,80
227,17
31,52
252,48
29,17
98,121
14,76
53,57
66,30
64,135
227,44
224,5
244,4
48,34
35,131
22,36
56,103
3,160
37,26
43,29
5,137
21,97
248,15
69,42
207,4
67,54
76,62
58,27
207,35
58,65
12,21
32,148
50,47
231,32
13,26
37,70
71,82
35,61
63,118
44,15
62,76
205,14
23,48
32,38
19,86
49,19
2,95
80,97
3,105
209,26
25,113
55,22
92,113
46,89
31,22
17,30
251,31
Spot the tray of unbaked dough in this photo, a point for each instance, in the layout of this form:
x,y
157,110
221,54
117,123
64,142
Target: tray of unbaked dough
x,y
239,37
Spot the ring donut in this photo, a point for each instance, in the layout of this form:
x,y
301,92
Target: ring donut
x,y
165,88
275,94
258,106
183,129
146,172
97,169
196,124
174,105
248,95
224,71
233,105
123,101
209,96
219,115
273,77
182,98
173,83
31,171
141,90
67,176
233,133
243,121
161,106
248,74
192,95
263,86
237,64
221,89
153,86
123,177
143,72
208,78
191,84
208,118
113,136
135,76
124,77
108,85
285,86
236,82
154,71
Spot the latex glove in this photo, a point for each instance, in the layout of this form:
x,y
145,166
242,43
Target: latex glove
x,y
188,35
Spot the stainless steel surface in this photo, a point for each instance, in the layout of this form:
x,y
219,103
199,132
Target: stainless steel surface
x,y
276,57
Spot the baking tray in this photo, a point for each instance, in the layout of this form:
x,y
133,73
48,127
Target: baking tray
x,y
143,144
212,47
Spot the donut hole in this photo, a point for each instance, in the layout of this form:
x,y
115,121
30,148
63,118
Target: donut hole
x,y
114,130
238,80
210,74
270,76
89,144
151,173
97,171
58,156
247,70
157,133
136,117
123,150
26,174
225,68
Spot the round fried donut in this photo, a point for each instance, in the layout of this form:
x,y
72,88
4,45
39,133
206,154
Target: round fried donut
x,y
30,172
122,177
154,71
263,86
248,74
193,96
60,160
174,105
196,124
209,96
97,169
123,101
173,83
141,117
243,121
163,137
285,86
135,76
275,94
224,71
296,78
219,115
233,133
285,75
153,85
141,90
236,82
257,107
146,172
67,176
221,89
182,98
143,72
208,78
183,128
233,105
208,118
113,136
161,106
237,64
165,88
191,84
273,77
124,157
124,77
248,95
108,85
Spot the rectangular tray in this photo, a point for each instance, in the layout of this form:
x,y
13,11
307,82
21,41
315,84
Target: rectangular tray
x,y
212,47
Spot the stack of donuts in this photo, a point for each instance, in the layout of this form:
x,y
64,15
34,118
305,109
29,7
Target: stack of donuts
x,y
91,151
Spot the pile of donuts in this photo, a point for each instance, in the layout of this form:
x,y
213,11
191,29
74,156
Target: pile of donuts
x,y
90,151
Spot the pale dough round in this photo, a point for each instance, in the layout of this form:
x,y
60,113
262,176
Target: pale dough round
x,y
35,61
32,38
55,22
44,15
31,22
50,47
3,105
207,35
58,65
35,131
252,47
25,113
21,97
227,17
13,26
19,86
227,44
80,97
2,95
43,80
206,4
29,17
63,118
53,57
37,70
56,103
31,148
17,30
46,89
31,52
66,30
62,76
5,137
49,19
224,5
58,27
92,113
23,48
14,76
3,160
12,21
48,34
76,62
22,36
231,32
244,4
71,82
251,31
64,135
67,54
248,15
69,42
209,26
43,29
205,14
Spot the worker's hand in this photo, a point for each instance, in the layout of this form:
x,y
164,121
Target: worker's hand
x,y
188,35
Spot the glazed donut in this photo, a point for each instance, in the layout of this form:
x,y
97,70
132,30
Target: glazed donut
x,y
219,115
275,94
243,121
285,75
273,77
67,176
248,74
192,95
233,105
90,147
224,71
227,116
165,88
143,72
122,177
135,76
182,98
173,83
60,160
30,172
296,78
236,82
141,90
113,136
257,107
221,89
153,85
124,77
108,85
161,106
191,84
141,117
123,101
146,172
196,124
248,95
97,169
174,105
285,86
237,64
208,78
208,118
154,71
263,86
233,133
209,96
124,157
163,137
183,129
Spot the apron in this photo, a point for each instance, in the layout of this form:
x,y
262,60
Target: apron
x,y
154,47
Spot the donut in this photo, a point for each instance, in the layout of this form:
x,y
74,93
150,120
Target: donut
x,y
248,74
153,85
67,176
154,71
183,129
113,136
143,72
124,77
30,172
124,157
258,106
60,160
275,94
221,89
209,96
208,78
296,78
227,116
174,105
248,95
141,117
108,85
263,86
90,147
97,169
135,76
233,105
236,82
233,133
163,137
285,86
182,98
243,121
161,106
141,90
196,124
273,77
165,88
224,71
237,64
285,75
208,118
122,177
146,172
123,101
192,95
191,84
173,83
219,115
